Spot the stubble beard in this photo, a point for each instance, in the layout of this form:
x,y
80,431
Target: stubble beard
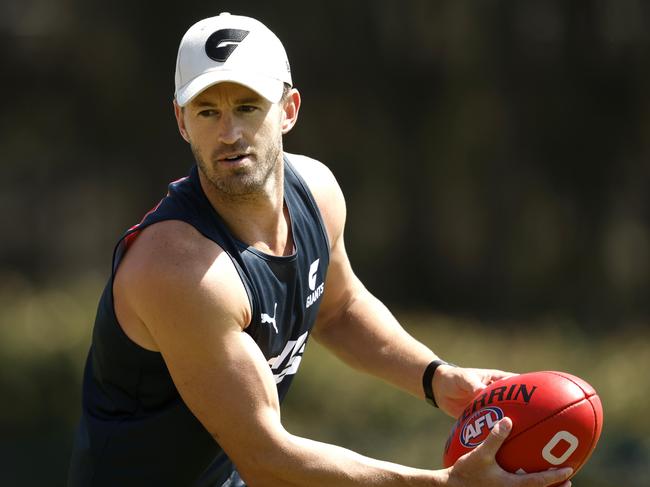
x,y
243,182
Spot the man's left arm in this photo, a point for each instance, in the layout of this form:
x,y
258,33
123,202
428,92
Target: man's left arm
x,y
361,331
359,328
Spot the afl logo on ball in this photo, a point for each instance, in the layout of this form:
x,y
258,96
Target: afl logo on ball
x,y
478,425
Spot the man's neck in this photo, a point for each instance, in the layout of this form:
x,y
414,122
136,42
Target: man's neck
x,y
261,220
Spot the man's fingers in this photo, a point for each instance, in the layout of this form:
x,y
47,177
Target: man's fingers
x,y
550,477
475,384
495,439
481,464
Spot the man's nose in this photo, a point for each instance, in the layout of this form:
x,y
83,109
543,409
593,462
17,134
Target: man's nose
x,y
229,129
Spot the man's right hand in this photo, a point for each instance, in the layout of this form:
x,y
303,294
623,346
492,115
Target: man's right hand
x,y
480,468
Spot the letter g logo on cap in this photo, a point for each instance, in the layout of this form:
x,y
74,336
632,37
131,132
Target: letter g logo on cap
x,y
221,44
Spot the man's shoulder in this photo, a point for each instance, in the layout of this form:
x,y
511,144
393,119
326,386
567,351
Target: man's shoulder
x,y
318,176
313,171
172,254
169,242
326,191
171,268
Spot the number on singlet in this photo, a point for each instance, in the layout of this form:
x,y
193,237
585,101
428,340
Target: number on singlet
x,y
548,454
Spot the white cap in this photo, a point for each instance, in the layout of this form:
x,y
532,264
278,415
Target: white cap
x,y
231,48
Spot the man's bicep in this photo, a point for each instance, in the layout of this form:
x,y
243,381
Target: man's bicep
x,y
226,382
196,310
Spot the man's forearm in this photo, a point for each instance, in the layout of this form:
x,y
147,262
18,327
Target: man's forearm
x,y
303,462
368,337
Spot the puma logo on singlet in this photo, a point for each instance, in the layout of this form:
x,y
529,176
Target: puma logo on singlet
x,y
271,319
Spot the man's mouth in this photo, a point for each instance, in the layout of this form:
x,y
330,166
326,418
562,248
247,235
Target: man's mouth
x,y
233,157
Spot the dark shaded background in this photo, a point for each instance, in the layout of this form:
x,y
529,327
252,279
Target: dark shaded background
x,y
494,154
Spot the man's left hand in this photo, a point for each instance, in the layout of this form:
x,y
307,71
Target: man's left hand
x,y
454,387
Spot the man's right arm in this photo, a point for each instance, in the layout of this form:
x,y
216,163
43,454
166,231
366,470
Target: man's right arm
x,y
187,293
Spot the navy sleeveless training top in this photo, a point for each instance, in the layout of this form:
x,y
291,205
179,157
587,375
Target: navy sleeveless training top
x,y
134,429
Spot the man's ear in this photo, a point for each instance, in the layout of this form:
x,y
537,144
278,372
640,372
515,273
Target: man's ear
x,y
180,121
290,108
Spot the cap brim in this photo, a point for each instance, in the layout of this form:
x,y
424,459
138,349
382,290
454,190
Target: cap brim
x,y
269,88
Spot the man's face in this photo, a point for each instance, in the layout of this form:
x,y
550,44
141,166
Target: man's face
x,y
236,137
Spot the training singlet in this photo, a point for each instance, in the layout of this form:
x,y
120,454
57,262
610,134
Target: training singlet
x,y
134,429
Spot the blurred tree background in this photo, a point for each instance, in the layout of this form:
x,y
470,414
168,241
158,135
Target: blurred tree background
x,y
494,156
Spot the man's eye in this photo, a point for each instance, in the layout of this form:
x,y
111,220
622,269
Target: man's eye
x,y
207,113
247,108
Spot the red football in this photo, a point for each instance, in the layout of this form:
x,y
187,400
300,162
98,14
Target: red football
x,y
557,419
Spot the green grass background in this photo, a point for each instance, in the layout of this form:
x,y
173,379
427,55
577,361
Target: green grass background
x,y
45,331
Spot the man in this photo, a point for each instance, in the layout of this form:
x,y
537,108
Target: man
x,y
214,295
